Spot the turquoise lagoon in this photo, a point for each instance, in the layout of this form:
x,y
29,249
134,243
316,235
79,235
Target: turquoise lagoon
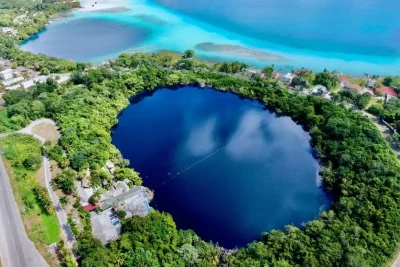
x,y
350,36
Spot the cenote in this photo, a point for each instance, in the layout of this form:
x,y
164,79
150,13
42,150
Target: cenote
x,y
222,166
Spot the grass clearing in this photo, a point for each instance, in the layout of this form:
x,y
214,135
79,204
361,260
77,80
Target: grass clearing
x,y
52,229
22,160
175,56
357,80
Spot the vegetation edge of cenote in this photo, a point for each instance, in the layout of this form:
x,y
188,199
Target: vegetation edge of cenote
x,y
358,167
361,229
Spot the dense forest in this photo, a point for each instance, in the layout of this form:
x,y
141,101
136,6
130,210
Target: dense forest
x,y
362,228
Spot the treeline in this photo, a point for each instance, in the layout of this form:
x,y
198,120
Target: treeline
x,y
150,241
362,228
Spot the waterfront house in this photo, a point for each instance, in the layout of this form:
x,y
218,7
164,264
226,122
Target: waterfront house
x,y
120,200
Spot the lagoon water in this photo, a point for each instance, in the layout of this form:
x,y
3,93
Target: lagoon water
x,y
352,36
221,165
84,39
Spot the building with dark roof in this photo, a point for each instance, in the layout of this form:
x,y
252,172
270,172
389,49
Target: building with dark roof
x,y
110,202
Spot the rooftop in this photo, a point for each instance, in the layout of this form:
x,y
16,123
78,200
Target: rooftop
x,y
387,90
108,203
343,78
6,71
89,207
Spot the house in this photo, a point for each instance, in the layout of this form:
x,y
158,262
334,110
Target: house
x,y
6,74
288,77
319,90
302,70
89,207
386,91
32,82
120,199
252,71
275,75
12,81
28,84
343,80
7,30
371,83
352,86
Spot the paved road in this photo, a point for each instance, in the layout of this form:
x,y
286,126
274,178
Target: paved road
x,y
61,216
16,249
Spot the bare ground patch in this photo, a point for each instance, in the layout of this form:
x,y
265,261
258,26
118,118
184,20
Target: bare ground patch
x,y
47,131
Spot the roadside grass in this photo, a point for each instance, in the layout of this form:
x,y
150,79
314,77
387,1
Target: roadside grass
x,y
52,229
373,101
5,124
42,228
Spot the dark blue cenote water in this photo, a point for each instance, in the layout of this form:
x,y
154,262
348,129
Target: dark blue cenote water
x,y
222,166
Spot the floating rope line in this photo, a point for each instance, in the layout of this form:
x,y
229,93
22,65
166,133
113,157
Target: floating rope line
x,y
191,166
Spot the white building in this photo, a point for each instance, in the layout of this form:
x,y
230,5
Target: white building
x,y
13,81
371,83
34,81
7,30
288,77
28,84
319,90
13,87
6,74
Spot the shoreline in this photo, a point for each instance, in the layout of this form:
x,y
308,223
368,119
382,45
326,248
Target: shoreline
x,y
111,6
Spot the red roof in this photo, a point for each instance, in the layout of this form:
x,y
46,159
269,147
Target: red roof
x,y
89,207
343,78
275,74
387,90
354,86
